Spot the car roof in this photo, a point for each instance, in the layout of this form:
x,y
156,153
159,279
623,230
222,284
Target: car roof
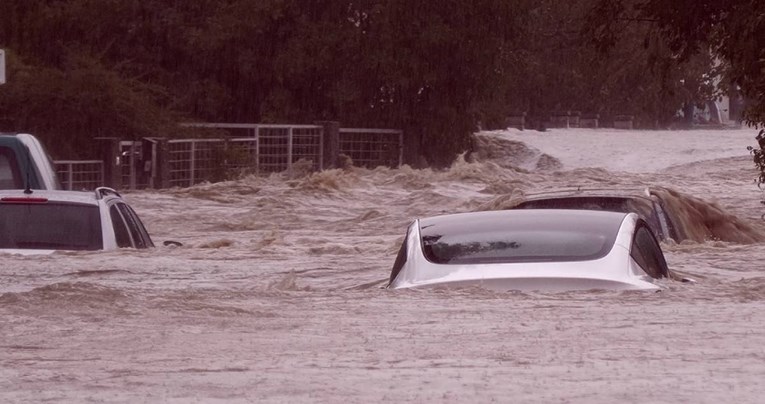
x,y
559,218
7,137
12,141
82,197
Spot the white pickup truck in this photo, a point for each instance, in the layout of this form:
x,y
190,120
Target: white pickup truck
x,y
24,163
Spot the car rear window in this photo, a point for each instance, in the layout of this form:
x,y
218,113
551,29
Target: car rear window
x,y
546,236
50,226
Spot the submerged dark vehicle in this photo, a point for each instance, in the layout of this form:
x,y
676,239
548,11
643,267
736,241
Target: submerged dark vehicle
x,y
647,204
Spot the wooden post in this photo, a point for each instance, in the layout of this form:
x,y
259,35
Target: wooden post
x,y
331,144
151,168
412,149
70,176
289,151
163,163
192,162
132,159
110,154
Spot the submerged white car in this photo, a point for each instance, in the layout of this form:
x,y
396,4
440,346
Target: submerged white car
x,y
530,249
41,222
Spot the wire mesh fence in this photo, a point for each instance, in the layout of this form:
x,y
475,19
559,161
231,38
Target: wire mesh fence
x,y
196,160
249,149
267,149
80,174
372,147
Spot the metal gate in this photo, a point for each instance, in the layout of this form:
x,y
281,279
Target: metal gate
x,y
263,149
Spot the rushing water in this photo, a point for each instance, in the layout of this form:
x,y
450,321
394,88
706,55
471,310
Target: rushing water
x,y
276,295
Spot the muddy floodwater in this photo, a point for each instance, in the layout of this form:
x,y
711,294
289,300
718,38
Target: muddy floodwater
x,y
277,294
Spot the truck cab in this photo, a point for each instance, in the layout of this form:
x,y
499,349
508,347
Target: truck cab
x,y
25,164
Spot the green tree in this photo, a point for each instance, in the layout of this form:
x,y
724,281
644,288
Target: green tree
x,y
130,68
729,31
62,84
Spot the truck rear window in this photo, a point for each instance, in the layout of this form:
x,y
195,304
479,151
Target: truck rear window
x,y
50,226
9,170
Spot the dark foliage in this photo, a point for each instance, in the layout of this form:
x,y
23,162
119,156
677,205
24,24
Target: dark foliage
x,y
728,34
758,156
80,69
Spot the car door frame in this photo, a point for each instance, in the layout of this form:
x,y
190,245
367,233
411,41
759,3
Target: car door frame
x,y
654,244
139,237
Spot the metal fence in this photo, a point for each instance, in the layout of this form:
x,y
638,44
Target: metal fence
x,y
265,149
195,160
280,146
80,174
372,147
134,171
249,149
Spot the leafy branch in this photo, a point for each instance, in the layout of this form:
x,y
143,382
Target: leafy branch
x,y
758,156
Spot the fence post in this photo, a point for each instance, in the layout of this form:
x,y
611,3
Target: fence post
x,y
151,170
256,135
192,161
70,176
320,164
110,154
133,161
331,140
163,163
102,174
412,147
400,149
289,150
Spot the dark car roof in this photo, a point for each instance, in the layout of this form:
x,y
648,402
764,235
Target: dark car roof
x,y
587,202
644,203
622,192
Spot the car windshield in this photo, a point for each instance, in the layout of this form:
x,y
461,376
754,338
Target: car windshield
x,y
546,236
50,226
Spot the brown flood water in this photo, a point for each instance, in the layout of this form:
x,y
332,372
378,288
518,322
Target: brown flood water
x,y
276,295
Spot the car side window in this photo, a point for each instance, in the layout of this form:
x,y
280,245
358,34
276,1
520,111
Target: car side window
x,y
141,227
139,233
647,253
120,228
